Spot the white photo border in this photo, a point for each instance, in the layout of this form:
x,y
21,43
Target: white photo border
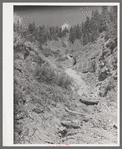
x,y
8,70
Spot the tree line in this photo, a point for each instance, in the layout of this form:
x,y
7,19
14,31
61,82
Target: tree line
x,y
86,32
89,30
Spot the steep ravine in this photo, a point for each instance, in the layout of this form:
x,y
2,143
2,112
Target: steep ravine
x,y
49,114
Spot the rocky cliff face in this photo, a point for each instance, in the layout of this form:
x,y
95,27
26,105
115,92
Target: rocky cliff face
x,y
100,62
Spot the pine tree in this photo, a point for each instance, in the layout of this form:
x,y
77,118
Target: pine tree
x,y
114,33
87,30
105,19
94,25
112,26
72,34
31,28
18,27
78,32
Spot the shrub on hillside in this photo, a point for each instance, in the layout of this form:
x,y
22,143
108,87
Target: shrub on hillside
x,y
49,74
63,80
56,53
47,52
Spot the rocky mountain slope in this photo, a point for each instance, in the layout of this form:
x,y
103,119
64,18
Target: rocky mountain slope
x,y
55,104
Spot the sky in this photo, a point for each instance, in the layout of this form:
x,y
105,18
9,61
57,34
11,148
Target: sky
x,y
53,15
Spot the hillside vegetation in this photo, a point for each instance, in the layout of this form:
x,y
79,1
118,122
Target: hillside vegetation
x,y
58,100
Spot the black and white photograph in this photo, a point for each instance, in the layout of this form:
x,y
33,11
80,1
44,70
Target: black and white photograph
x,y
65,74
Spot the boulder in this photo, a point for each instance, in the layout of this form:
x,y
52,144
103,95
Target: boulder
x,y
110,43
103,89
103,74
106,53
